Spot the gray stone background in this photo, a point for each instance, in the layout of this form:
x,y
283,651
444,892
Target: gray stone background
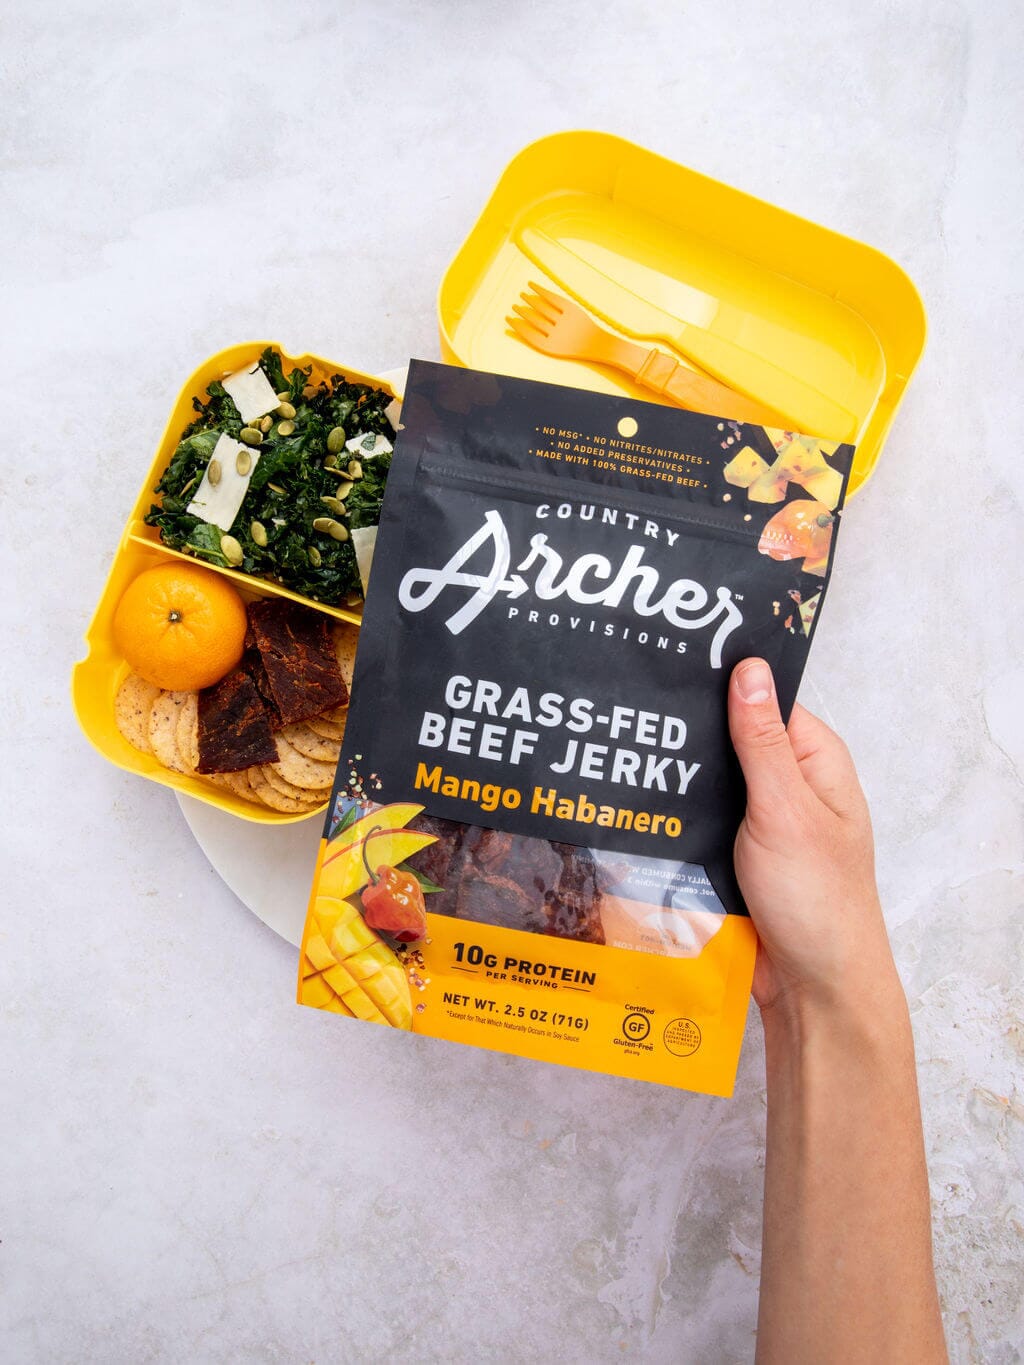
x,y
193,1169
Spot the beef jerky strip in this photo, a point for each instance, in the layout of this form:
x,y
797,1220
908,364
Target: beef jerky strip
x,y
234,731
498,878
573,905
574,914
532,863
252,662
301,667
529,884
498,900
439,862
491,849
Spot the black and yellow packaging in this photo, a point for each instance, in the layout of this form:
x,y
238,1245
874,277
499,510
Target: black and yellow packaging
x,y
529,843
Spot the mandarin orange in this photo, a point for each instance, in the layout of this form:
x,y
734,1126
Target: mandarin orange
x,y
180,627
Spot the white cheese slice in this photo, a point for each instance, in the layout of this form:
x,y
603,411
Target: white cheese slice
x,y
219,503
364,538
365,446
252,392
393,412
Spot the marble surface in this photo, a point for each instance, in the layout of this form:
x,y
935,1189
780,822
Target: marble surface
x,y
194,1169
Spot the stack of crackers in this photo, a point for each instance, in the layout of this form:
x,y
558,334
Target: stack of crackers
x,y
271,731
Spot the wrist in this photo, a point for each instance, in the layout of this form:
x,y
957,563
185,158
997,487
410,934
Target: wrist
x,y
864,1012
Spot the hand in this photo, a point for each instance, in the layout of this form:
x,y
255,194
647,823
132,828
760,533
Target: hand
x,y
842,1277
804,855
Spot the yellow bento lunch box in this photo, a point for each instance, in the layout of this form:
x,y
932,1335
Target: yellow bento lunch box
x,y
95,680
816,326
813,324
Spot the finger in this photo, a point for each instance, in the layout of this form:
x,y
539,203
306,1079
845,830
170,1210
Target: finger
x,y
759,736
825,763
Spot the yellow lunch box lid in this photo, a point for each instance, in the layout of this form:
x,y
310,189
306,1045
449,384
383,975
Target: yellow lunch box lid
x,y
814,324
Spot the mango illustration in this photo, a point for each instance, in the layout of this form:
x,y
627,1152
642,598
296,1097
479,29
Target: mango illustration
x,y
348,969
394,816
343,872
744,467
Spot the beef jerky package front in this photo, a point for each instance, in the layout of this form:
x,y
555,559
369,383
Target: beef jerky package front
x,y
529,843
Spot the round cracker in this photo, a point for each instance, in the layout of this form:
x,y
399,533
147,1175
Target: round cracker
x,y
300,770
270,796
337,715
238,783
346,637
272,774
164,715
186,737
132,705
310,744
220,780
326,728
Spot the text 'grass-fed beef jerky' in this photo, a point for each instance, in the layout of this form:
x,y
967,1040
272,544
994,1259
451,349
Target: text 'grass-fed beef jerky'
x,y
562,584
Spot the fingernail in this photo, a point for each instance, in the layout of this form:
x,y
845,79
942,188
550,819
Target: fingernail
x,y
754,681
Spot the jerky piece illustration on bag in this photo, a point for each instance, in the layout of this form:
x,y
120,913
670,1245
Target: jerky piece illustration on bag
x,y
563,583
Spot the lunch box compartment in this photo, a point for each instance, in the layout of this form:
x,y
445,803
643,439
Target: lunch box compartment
x,y
96,679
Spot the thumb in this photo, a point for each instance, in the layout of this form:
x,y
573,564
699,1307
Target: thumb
x,y
759,736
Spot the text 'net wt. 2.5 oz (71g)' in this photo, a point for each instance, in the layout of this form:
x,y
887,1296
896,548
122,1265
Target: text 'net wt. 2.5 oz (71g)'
x,y
529,842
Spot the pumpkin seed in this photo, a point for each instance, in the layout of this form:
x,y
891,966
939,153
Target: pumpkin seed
x,y
252,436
337,532
266,424
343,489
335,439
213,473
335,505
355,469
259,533
231,550
190,484
322,523
243,462
284,395
314,556
330,461
285,408
276,488
285,428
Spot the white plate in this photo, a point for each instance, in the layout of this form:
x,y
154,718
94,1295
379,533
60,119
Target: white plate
x,y
268,867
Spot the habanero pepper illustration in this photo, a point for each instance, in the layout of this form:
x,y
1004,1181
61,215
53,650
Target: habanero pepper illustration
x,y
346,967
393,901
800,530
342,872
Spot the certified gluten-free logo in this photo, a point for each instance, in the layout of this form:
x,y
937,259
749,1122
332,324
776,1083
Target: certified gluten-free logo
x,y
681,1037
636,1027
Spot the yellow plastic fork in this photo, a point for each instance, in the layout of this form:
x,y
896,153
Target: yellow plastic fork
x,y
552,324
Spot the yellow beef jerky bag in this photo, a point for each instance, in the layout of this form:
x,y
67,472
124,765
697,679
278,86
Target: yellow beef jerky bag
x,y
529,843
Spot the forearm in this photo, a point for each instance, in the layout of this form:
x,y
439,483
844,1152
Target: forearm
x,y
847,1235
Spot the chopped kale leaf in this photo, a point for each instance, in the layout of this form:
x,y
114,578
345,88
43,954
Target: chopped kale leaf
x,y
288,485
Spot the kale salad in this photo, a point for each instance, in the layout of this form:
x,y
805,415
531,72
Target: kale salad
x,y
276,473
